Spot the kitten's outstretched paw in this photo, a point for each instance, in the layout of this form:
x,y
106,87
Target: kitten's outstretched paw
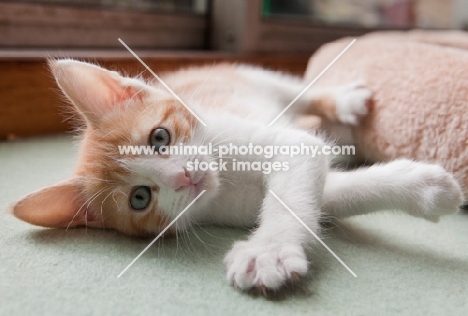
x,y
353,102
264,266
434,191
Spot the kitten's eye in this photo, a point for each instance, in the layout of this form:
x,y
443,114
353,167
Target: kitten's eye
x,y
159,137
140,198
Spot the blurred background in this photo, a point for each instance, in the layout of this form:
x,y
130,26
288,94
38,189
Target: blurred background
x,y
170,34
214,24
392,13
372,13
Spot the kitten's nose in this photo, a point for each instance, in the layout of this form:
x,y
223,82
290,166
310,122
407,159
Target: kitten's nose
x,y
182,179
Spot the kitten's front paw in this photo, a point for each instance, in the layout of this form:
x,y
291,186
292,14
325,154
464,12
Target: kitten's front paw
x,y
434,190
264,266
353,102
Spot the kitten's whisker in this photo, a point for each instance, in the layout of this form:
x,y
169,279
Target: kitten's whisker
x,y
86,202
177,238
204,243
135,94
101,191
225,140
86,221
123,193
209,234
194,248
102,203
115,202
228,181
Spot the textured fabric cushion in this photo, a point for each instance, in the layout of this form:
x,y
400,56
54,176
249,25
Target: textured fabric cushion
x,y
421,95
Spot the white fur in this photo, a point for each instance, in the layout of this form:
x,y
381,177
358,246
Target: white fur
x,y
351,102
275,252
420,189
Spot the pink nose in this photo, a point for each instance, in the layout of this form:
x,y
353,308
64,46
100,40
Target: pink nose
x,y
182,179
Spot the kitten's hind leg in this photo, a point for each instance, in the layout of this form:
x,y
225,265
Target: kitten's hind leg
x,y
346,104
420,189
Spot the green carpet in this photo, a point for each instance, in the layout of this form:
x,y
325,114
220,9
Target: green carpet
x,y
404,266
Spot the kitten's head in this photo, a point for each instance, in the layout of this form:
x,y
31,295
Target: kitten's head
x,y
135,194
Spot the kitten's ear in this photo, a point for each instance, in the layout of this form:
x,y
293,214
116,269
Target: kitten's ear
x,y
57,206
94,91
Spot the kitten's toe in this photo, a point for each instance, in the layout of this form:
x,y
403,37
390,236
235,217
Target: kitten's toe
x,y
442,193
353,102
265,267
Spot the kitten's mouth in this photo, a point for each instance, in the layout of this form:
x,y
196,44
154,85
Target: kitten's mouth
x,y
198,187
194,189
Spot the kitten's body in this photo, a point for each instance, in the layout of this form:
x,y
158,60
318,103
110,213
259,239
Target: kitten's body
x,y
237,103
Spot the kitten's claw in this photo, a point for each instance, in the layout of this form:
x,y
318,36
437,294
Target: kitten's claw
x,y
252,264
353,102
295,276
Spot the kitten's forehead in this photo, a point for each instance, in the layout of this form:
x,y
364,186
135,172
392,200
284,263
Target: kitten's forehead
x,y
133,125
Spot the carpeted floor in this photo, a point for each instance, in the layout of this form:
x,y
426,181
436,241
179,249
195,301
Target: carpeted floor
x,y
404,266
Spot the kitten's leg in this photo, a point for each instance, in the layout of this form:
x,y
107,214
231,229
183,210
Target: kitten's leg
x,y
274,253
345,104
422,190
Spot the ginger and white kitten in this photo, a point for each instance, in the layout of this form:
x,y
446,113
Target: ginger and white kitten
x,y
237,103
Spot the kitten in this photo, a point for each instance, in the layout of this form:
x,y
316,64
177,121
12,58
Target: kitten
x,y
141,194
